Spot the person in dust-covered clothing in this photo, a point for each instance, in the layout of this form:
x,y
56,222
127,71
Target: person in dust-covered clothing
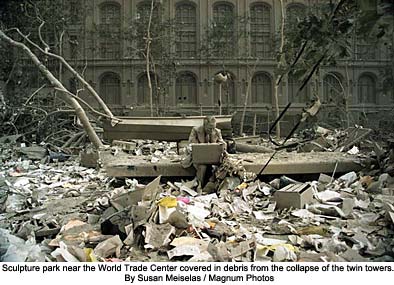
x,y
207,133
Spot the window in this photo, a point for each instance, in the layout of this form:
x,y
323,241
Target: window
x,y
262,88
143,90
223,30
260,28
109,34
110,88
228,92
293,87
332,90
186,89
186,35
366,89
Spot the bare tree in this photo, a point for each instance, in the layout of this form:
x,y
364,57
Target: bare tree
x,y
65,94
148,41
279,65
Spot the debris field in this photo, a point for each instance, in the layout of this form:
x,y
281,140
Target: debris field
x,y
54,209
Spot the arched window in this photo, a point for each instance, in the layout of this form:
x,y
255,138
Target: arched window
x,y
143,96
293,13
223,39
332,90
109,33
366,89
110,88
228,92
186,89
262,88
293,87
260,30
186,19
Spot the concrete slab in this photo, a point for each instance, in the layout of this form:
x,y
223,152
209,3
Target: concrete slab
x,y
125,165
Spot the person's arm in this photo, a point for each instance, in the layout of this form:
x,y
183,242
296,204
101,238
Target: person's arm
x,y
193,137
219,136
220,139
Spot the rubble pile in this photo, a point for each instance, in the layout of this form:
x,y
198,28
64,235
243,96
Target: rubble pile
x,y
60,211
152,151
316,138
342,140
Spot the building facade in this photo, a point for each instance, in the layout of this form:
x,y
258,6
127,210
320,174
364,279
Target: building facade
x,y
99,43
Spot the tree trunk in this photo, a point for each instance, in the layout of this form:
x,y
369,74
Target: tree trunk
x,y
348,94
241,127
277,81
249,82
56,83
220,98
147,63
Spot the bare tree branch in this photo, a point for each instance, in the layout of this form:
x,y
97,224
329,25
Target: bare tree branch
x,y
56,83
73,72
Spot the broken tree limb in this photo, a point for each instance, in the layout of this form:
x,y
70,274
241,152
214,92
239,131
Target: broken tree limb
x,y
56,83
73,72
87,105
72,139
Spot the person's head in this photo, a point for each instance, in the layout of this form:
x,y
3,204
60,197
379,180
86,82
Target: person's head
x,y
209,124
